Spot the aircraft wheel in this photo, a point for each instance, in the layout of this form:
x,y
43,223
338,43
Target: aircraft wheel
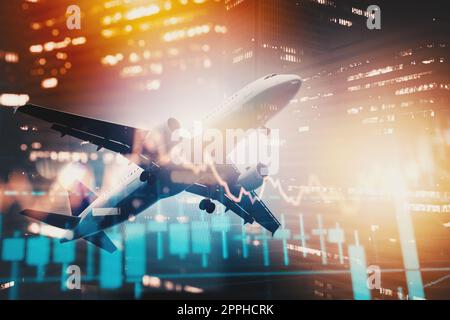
x,y
203,204
145,176
211,207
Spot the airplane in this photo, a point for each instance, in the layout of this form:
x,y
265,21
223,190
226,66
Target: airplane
x,y
150,177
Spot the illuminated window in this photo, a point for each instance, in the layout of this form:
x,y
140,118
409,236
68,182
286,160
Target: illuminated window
x,y
342,22
243,56
357,11
428,61
290,58
112,60
140,12
410,77
375,72
409,90
324,2
230,4
11,57
186,33
131,71
405,53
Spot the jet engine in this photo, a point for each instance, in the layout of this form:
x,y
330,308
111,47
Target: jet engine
x,y
253,177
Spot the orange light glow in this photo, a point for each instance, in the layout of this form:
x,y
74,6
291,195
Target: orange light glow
x,y
49,83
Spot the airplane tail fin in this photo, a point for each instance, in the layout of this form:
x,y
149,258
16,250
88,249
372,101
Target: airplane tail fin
x,y
102,241
53,219
80,197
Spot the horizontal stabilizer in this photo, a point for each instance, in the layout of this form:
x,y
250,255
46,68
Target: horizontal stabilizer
x,y
102,241
53,219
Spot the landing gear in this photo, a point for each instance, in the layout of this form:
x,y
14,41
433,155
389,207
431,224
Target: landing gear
x,y
147,177
211,208
203,204
207,205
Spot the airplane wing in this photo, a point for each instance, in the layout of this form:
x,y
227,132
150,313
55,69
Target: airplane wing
x,y
251,208
260,212
115,137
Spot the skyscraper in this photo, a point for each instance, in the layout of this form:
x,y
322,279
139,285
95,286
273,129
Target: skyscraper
x,y
267,36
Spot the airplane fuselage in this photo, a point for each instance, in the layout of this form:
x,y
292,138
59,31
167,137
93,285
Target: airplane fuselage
x,y
256,103
126,199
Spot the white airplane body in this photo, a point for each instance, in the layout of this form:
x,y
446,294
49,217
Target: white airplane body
x,y
150,177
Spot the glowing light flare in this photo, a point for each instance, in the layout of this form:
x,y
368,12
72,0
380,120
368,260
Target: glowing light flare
x,y
207,63
191,289
49,83
11,57
220,29
50,22
167,5
156,68
112,60
7,285
134,57
36,26
160,218
153,85
112,3
46,230
79,41
37,48
140,12
36,145
172,21
108,33
187,32
152,282
13,100
52,45
71,173
182,219
131,71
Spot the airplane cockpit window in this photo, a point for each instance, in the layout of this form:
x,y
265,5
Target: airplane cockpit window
x,y
270,76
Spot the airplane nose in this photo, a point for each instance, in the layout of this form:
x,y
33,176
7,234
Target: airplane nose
x,y
295,82
295,78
